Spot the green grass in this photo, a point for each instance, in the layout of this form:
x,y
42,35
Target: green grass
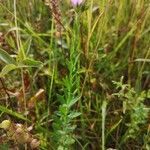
x,y
87,89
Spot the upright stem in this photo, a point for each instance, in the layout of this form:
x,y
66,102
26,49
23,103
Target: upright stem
x,y
103,123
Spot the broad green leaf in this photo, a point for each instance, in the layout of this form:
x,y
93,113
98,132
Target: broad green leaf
x,y
7,69
5,57
13,113
31,62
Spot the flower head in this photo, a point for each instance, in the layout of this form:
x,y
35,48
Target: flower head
x,y
76,2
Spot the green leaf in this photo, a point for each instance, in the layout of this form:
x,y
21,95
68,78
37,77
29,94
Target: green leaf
x,y
12,113
73,115
31,62
63,109
73,101
7,69
142,60
5,57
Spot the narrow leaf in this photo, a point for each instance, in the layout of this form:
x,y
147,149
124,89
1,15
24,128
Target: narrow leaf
x,y
73,101
31,63
7,69
74,115
5,57
142,60
12,113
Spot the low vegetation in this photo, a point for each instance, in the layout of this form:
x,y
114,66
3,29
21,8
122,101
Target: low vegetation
x,y
74,74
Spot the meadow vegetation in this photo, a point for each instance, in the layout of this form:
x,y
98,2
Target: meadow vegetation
x,y
74,77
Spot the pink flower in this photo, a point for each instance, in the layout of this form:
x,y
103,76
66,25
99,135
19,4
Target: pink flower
x,y
76,2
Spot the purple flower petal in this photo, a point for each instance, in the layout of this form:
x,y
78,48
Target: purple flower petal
x,y
76,2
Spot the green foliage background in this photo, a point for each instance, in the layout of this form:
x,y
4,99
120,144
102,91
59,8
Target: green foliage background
x,y
95,76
